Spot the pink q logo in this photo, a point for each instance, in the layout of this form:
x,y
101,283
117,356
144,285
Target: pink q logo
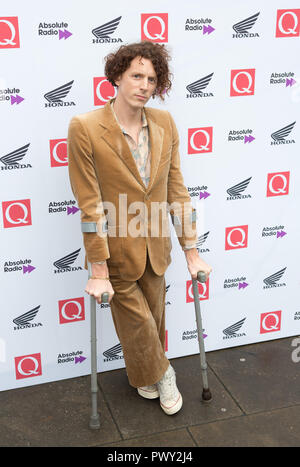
x,y
103,91
203,290
71,310
236,237
242,82
16,213
278,184
9,33
154,27
200,140
58,152
28,366
288,23
270,322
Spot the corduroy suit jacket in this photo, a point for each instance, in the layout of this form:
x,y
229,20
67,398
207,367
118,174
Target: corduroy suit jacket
x,y
105,182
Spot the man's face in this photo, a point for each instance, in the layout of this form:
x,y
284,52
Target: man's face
x,y
137,84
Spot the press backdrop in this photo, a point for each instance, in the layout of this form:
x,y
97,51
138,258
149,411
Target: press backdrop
x,y
235,100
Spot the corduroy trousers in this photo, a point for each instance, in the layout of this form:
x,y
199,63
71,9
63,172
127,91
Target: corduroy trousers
x,y
138,312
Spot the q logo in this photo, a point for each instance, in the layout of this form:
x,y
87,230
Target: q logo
x,y
28,366
200,140
270,322
288,23
9,33
242,82
16,213
278,184
58,152
203,290
154,27
236,237
103,91
71,310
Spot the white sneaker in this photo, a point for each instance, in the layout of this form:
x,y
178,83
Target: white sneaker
x,y
149,392
170,397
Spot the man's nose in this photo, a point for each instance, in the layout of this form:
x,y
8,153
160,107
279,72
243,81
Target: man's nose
x,y
144,84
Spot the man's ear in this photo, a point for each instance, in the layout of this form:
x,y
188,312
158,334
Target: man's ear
x,y
117,81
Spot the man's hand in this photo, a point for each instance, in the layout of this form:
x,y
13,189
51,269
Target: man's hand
x,y
96,287
195,263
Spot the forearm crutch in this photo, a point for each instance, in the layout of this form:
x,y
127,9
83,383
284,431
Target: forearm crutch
x,y
94,419
206,394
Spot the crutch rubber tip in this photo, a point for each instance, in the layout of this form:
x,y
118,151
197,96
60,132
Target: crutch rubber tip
x,y
94,422
206,395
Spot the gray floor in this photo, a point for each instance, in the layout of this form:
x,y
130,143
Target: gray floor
x,y
256,402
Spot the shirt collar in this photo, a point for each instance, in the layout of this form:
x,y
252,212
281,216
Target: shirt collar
x,y
144,119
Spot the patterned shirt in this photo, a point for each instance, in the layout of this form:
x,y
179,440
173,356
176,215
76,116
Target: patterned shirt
x,y
141,151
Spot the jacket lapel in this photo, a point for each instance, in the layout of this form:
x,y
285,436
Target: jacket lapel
x,y
114,137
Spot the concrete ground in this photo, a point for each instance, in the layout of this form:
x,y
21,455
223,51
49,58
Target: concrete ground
x,y
256,402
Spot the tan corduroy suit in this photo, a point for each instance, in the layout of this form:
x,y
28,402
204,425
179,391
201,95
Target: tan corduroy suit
x,y
125,223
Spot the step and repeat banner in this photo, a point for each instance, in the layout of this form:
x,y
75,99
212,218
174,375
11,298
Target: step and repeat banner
x,y
235,100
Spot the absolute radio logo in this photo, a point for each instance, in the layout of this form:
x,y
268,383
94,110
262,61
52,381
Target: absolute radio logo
x,y
243,27
11,95
66,206
9,32
235,192
56,96
243,135
281,136
278,231
103,91
198,191
242,82
58,152
236,237
236,282
16,213
199,24
285,77
191,334
154,27
28,366
278,184
13,160
64,264
196,89
23,265
200,140
75,356
288,23
203,289
54,29
274,280
103,33
71,310
270,322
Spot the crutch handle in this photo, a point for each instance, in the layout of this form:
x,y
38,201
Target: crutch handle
x,y
105,297
201,276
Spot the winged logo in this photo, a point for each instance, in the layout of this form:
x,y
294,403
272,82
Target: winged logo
x,y
104,31
59,93
26,317
199,85
67,260
201,239
271,280
234,328
279,135
239,188
242,26
14,157
113,351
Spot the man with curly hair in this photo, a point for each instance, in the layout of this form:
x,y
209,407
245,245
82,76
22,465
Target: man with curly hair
x,y
124,160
